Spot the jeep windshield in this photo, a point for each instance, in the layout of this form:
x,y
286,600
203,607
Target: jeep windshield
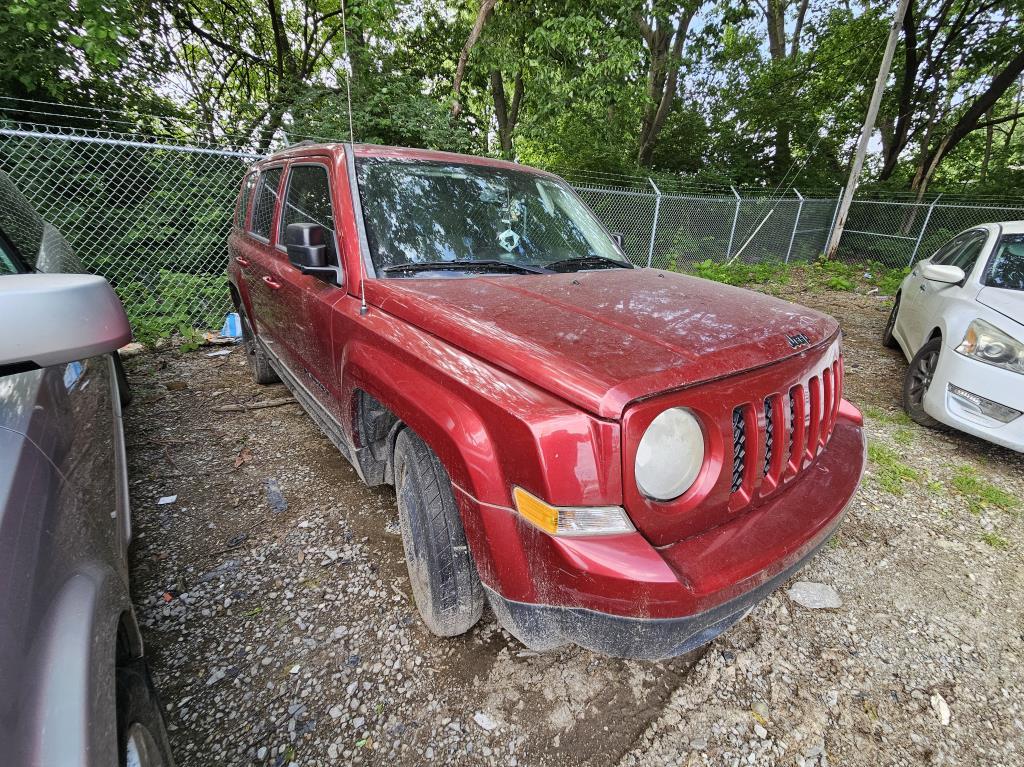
x,y
422,217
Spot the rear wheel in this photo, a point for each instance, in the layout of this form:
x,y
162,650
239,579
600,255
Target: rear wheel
x,y
444,580
142,738
259,363
888,339
919,379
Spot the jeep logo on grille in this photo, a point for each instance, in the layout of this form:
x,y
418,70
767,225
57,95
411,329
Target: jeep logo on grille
x,y
797,340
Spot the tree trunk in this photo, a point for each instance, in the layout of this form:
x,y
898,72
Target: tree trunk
x,y
967,123
665,49
990,130
505,114
486,7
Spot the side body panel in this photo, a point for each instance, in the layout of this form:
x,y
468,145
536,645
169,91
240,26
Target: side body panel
x,y
63,570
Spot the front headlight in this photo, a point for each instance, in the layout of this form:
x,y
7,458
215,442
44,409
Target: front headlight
x,y
670,455
987,343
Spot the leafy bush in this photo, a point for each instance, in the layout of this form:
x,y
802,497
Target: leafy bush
x,y
177,303
738,273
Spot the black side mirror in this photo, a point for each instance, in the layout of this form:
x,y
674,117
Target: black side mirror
x,y
306,245
617,238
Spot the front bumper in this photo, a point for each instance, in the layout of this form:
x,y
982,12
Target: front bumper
x,y
545,627
621,596
1002,386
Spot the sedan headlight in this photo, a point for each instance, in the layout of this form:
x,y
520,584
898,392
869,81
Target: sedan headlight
x,y
987,343
670,455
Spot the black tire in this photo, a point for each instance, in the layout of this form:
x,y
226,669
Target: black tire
x,y
140,723
445,583
888,339
124,391
918,379
259,363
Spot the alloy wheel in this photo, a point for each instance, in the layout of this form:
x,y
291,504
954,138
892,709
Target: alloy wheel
x,y
921,376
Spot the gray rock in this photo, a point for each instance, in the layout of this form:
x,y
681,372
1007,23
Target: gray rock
x,y
815,596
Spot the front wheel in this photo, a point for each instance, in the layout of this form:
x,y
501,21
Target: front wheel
x,y
444,579
919,379
888,339
142,738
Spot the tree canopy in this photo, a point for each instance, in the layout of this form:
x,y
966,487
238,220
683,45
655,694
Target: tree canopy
x,y
754,93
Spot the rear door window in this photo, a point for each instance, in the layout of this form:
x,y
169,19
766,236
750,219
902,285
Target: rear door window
x,y
245,196
8,258
21,225
263,206
308,201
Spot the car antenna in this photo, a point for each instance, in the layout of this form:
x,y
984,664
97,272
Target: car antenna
x,y
351,144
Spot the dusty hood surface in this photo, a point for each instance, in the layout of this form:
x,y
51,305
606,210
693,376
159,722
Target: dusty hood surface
x,y
1009,303
602,339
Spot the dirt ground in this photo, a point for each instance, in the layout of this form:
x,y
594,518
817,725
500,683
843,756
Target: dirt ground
x,y
278,617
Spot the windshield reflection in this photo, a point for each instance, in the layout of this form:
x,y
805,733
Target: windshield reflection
x,y
422,212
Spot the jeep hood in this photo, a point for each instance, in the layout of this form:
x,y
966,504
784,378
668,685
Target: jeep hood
x,y
602,339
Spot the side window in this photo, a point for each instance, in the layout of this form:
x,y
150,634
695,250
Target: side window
x,y
263,205
308,201
21,225
947,252
8,258
968,255
244,196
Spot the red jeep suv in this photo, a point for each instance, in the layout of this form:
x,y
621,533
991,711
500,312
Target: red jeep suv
x,y
627,459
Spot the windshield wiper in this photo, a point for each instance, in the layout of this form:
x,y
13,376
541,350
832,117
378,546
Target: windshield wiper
x,y
582,262
464,265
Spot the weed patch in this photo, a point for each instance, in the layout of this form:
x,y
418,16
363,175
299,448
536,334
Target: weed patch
x,y
995,540
892,474
981,494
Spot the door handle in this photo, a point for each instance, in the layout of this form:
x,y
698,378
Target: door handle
x,y
241,261
923,288
272,283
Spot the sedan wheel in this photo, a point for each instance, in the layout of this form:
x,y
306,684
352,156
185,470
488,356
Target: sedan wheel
x,y
919,379
888,339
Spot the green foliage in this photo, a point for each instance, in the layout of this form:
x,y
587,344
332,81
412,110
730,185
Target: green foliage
x,y
995,540
981,494
890,472
899,418
176,303
739,273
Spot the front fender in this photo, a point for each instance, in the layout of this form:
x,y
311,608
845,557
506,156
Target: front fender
x,y
73,720
490,429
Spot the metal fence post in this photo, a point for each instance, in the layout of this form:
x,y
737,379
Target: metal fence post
x,y
796,223
920,235
832,226
654,225
735,218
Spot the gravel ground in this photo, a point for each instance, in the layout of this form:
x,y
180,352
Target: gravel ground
x,y
278,617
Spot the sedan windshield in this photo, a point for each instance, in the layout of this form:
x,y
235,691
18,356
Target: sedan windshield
x,y
1006,267
441,213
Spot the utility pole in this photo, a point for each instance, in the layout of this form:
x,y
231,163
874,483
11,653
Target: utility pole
x,y
867,130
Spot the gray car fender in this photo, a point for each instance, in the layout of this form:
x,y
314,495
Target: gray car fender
x,y
74,722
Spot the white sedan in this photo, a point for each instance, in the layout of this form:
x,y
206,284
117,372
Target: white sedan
x,y
959,319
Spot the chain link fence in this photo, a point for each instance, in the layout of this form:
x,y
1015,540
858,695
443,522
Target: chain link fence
x,y
152,216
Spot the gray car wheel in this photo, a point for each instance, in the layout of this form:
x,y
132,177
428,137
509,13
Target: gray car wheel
x,y
142,737
445,583
919,379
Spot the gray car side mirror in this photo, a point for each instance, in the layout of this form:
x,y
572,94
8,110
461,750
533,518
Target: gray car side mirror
x,y
50,319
